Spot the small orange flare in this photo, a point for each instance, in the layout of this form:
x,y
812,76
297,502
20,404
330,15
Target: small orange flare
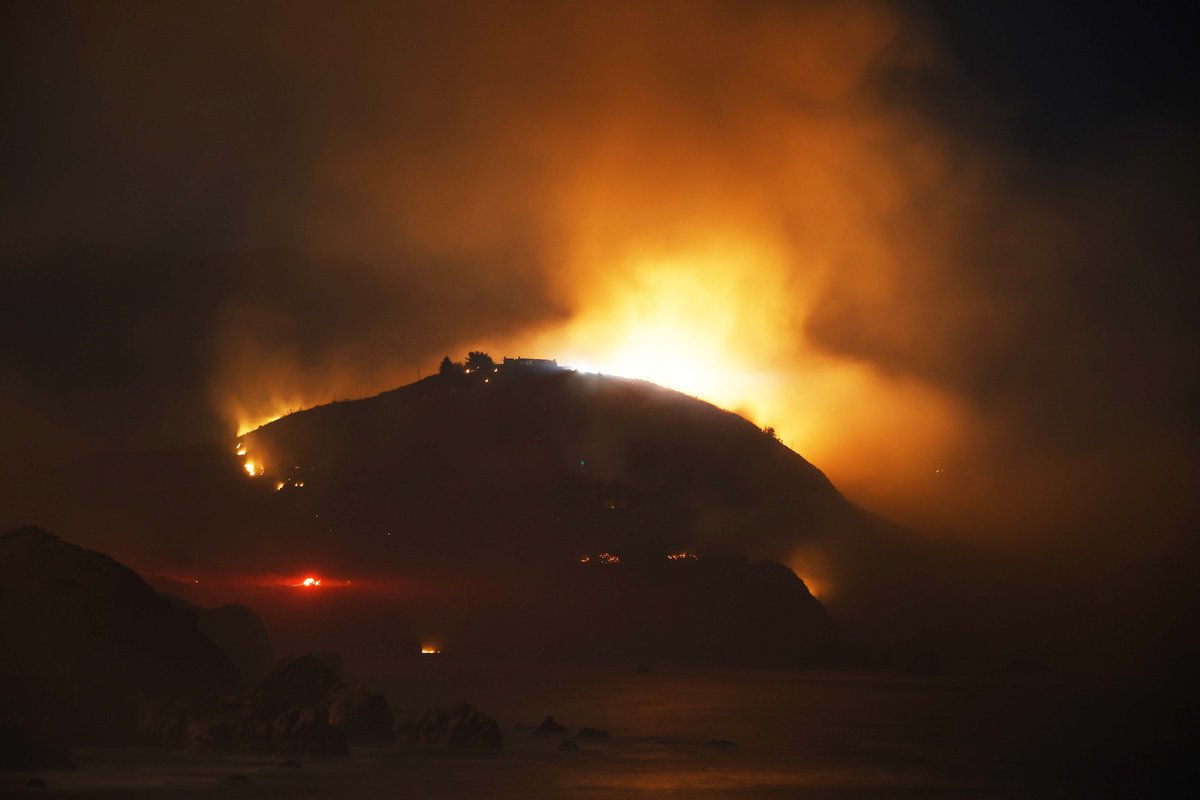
x,y
312,582
252,468
429,651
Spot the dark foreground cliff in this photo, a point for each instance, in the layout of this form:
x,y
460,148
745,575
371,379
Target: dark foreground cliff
x,y
84,642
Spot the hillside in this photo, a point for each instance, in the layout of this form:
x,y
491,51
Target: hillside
x,y
463,504
543,466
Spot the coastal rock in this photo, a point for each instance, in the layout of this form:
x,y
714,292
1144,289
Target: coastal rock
x,y
289,713
302,682
549,727
307,732
457,726
362,715
237,632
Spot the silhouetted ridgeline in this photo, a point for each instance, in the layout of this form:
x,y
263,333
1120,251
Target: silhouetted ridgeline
x,y
239,634
465,503
84,642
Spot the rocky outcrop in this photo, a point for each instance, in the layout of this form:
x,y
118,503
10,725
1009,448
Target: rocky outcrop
x,y
86,641
549,728
293,732
302,682
457,726
362,715
302,708
238,633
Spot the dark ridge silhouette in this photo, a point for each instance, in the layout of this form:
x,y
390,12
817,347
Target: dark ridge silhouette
x,y
494,483
84,641
302,707
467,500
457,726
239,634
714,611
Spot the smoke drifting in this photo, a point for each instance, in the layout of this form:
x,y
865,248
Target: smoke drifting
x,y
819,214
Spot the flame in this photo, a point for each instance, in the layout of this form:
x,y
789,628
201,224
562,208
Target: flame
x,y
721,317
682,555
253,468
670,321
248,425
311,582
601,558
429,650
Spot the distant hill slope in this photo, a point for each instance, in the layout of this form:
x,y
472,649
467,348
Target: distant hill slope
x,y
544,466
446,494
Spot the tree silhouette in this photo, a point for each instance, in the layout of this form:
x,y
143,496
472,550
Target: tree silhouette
x,y
450,368
478,361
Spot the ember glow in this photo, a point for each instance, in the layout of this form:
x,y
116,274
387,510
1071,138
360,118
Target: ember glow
x,y
601,558
429,650
721,318
311,582
253,468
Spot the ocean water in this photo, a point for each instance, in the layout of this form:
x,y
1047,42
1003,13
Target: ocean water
x,y
798,735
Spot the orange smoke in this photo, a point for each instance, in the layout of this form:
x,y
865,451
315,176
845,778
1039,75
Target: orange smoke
x,y
689,189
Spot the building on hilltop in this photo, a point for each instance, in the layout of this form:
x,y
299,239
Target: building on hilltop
x,y
522,363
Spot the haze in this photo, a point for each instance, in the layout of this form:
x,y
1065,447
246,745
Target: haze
x,y
950,267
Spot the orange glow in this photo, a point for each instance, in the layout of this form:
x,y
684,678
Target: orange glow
x,y
601,558
253,468
248,421
755,258
811,566
311,582
429,650
680,556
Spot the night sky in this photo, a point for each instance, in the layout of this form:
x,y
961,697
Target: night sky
x,y
947,249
